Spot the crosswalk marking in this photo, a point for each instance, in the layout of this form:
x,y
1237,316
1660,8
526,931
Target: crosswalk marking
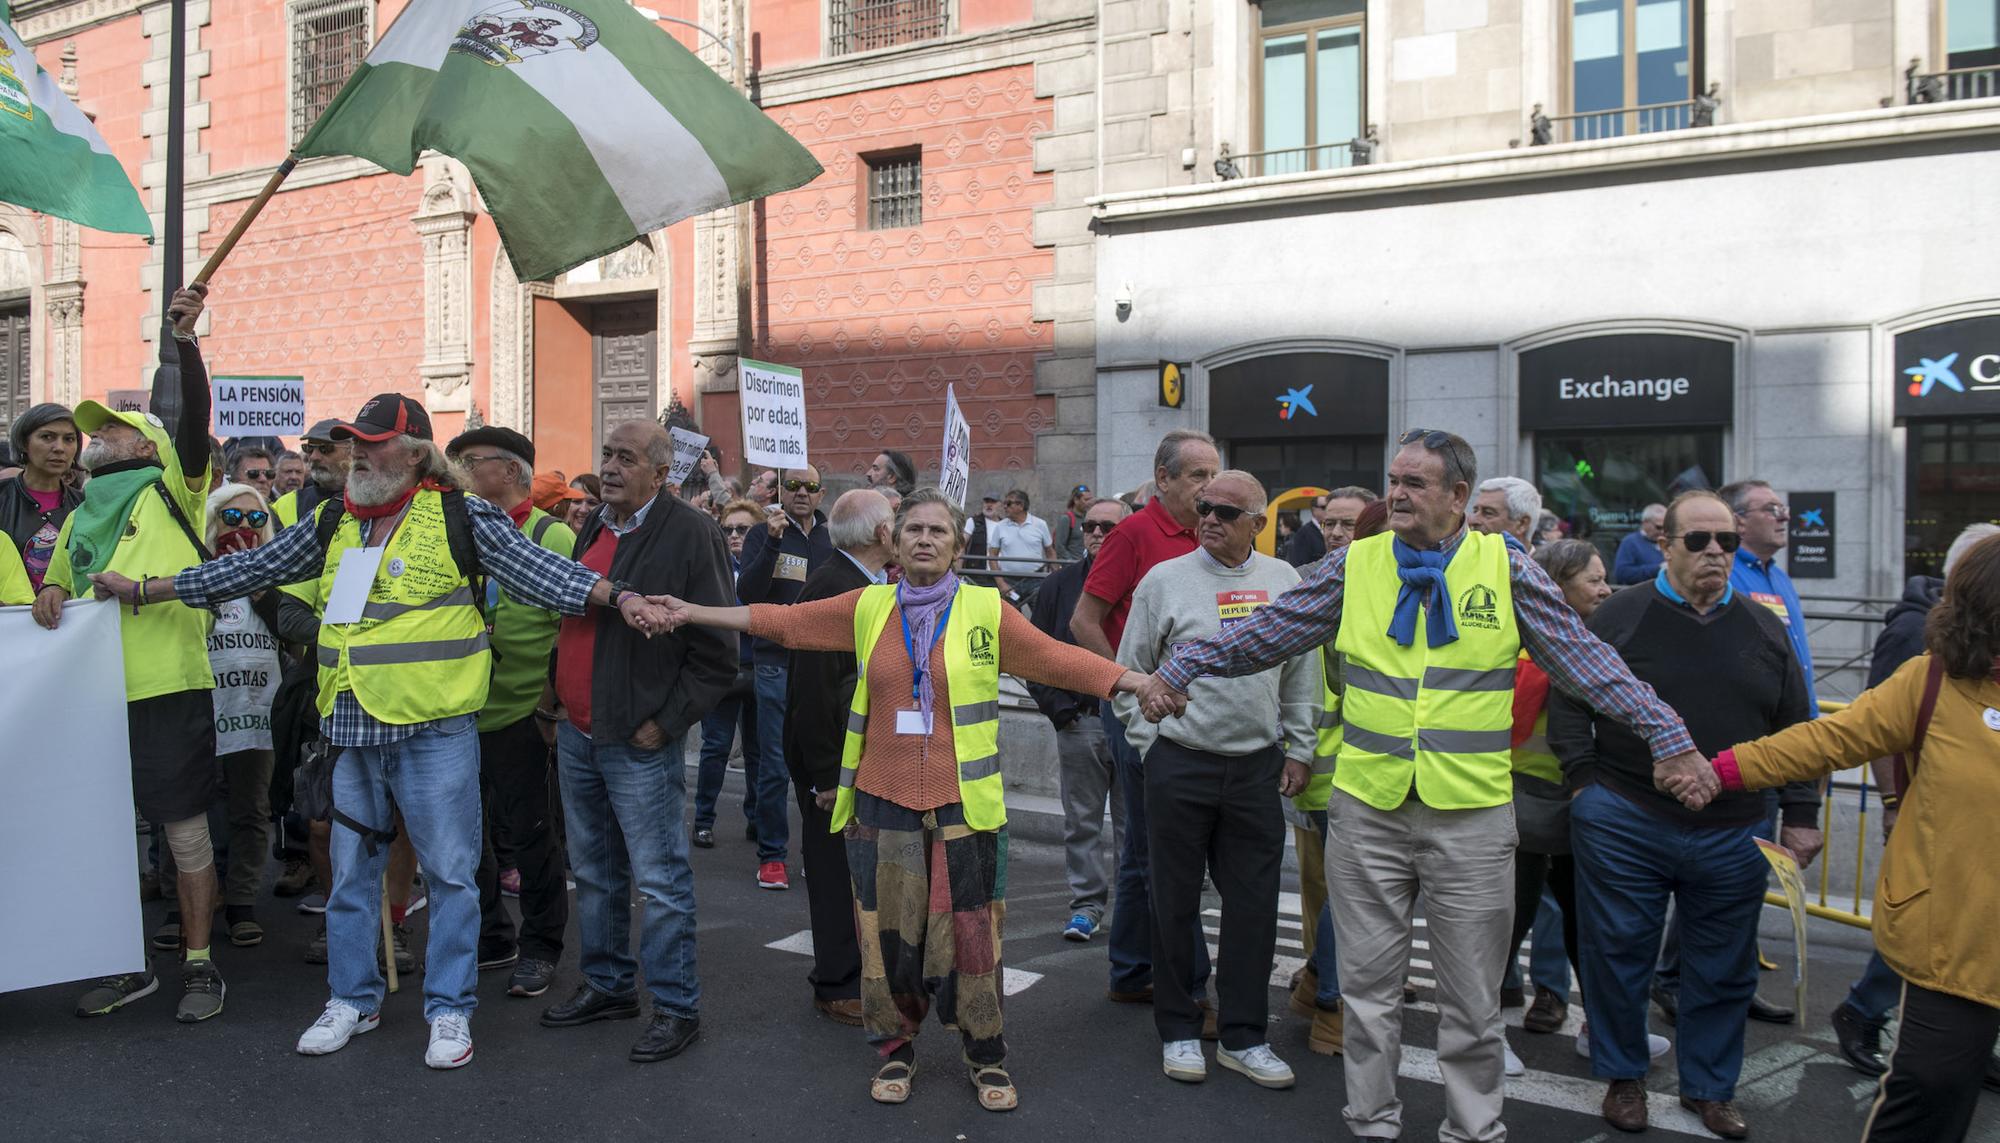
x,y
1014,980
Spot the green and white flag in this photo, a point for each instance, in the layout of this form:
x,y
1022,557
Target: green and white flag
x,y
51,159
583,124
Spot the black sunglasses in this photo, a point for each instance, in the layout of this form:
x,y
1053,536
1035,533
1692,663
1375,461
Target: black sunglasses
x,y
736,529
260,473
1698,541
234,517
1433,438
808,485
1099,525
324,448
1227,513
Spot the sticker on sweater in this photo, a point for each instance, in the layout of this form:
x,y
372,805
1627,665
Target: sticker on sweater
x,y
1992,719
1233,607
913,722
790,567
1775,602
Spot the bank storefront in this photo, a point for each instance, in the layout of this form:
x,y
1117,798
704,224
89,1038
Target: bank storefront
x,y
1302,417
1946,381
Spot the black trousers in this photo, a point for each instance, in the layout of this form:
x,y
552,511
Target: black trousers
x,y
836,970
514,793
1531,872
1932,1089
1217,814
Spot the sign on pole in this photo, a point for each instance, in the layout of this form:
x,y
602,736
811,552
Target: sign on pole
x,y
687,453
259,406
955,471
774,414
1810,553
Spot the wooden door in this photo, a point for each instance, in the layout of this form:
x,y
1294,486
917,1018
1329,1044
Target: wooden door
x,y
623,374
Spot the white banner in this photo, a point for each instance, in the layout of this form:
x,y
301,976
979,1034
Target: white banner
x,y
259,406
69,870
687,453
774,414
955,472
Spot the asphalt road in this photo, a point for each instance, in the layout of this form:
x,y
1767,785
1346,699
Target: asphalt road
x,y
767,1067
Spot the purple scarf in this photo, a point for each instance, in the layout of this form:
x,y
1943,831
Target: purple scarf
x,y
922,607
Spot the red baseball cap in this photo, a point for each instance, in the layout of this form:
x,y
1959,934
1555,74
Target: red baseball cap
x,y
386,415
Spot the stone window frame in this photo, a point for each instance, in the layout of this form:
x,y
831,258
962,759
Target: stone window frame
x,y
1256,36
1697,36
876,162
297,118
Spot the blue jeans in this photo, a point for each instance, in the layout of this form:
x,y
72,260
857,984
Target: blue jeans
x,y
1876,992
1667,974
718,730
1326,962
773,781
1131,951
624,806
1629,864
433,778
1548,960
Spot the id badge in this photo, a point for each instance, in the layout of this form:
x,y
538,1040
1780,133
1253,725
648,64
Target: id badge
x,y
913,722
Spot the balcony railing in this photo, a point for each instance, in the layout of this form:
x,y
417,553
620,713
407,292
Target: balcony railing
x,y
1954,83
864,25
1645,119
1358,152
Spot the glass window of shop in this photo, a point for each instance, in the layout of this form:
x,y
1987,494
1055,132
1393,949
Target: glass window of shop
x,y
1623,421
1947,382
1297,419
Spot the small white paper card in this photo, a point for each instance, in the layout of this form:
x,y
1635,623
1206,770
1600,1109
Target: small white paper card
x,y
351,584
913,722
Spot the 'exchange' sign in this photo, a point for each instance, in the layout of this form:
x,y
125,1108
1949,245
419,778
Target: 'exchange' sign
x,y
1624,381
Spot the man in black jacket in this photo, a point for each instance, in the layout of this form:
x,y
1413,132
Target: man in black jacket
x,y
628,700
776,563
1308,544
820,687
1083,753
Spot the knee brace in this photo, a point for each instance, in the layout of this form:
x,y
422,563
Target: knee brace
x,y
188,839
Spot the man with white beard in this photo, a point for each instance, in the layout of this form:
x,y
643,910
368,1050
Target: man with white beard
x,y
404,665
148,489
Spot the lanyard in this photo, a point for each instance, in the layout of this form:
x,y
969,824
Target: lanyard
x,y
917,664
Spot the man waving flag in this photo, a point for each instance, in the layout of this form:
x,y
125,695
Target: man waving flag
x,y
51,159
583,124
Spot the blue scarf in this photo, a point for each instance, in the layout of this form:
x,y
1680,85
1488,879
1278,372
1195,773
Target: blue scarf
x,y
1420,572
922,607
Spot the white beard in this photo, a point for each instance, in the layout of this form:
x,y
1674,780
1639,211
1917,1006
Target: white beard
x,y
100,452
371,488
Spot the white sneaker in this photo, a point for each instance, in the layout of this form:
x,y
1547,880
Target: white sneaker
x,y
1514,1065
1656,1044
451,1042
1258,1062
1182,1060
335,1026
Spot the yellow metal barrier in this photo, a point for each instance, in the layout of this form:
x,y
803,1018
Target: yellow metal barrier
x,y
1822,908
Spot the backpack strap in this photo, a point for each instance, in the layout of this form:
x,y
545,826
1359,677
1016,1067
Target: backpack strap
x,y
1906,764
327,521
464,546
541,529
187,529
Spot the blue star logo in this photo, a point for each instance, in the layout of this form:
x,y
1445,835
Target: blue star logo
x,y
1296,401
1816,518
1927,373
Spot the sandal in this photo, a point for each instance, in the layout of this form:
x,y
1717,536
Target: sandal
x,y
995,1087
892,1082
246,934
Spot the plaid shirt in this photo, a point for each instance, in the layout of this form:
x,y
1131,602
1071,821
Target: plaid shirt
x,y
532,573
1580,664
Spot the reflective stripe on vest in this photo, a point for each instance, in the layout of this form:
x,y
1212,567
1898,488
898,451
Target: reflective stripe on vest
x,y
1440,718
1326,736
972,667
420,651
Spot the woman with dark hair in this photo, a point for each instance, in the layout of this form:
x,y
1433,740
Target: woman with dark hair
x,y
593,495
34,503
1937,903
1373,520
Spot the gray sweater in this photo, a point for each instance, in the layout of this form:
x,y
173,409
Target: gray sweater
x,y
1188,599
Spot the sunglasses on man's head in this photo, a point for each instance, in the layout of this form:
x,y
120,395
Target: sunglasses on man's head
x,y
1432,438
1227,513
1698,541
235,517
807,485
1104,526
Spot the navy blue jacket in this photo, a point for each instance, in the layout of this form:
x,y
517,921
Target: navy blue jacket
x,y
763,580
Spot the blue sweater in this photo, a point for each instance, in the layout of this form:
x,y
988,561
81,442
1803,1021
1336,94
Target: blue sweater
x,y
1763,581
1637,560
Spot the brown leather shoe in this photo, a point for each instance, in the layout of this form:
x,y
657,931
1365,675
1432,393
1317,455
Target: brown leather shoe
x,y
1719,1116
1625,1105
1208,1027
1328,1036
840,1011
1137,996
1547,1014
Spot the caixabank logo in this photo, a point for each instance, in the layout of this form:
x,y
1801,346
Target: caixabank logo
x,y
1951,368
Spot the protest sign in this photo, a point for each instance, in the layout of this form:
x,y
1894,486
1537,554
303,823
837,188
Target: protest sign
x,y
259,406
955,471
774,414
127,400
687,453
69,802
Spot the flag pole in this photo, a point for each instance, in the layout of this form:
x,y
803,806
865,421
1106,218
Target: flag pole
x,y
165,401
249,216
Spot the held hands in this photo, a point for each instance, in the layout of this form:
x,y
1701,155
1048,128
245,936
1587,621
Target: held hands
x,y
643,615
1689,777
1805,842
1293,782
673,610
1158,700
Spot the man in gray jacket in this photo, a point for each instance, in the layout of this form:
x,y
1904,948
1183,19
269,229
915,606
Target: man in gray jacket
x,y
1213,779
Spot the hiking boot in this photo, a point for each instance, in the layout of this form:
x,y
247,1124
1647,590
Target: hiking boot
x,y
1547,1014
114,992
1328,1036
406,961
202,991
297,876
316,948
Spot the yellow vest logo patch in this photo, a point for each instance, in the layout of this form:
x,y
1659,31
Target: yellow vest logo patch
x,y
979,646
1480,608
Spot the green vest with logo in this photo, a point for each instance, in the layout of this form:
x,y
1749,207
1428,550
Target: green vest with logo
x,y
972,664
420,651
522,634
1326,745
1439,717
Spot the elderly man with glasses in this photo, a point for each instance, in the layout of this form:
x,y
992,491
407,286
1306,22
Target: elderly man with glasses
x,y
777,559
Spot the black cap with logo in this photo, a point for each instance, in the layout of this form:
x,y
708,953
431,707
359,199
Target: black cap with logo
x,y
386,415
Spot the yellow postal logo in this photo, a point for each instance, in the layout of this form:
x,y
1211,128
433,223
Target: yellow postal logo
x,y
515,30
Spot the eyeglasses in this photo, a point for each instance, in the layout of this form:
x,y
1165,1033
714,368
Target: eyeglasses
x,y
477,460
234,517
807,485
1698,541
736,529
259,473
322,448
1013,504
1227,513
1774,511
1433,438
1104,526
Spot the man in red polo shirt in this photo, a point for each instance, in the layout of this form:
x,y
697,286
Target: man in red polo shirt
x,y
1182,466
